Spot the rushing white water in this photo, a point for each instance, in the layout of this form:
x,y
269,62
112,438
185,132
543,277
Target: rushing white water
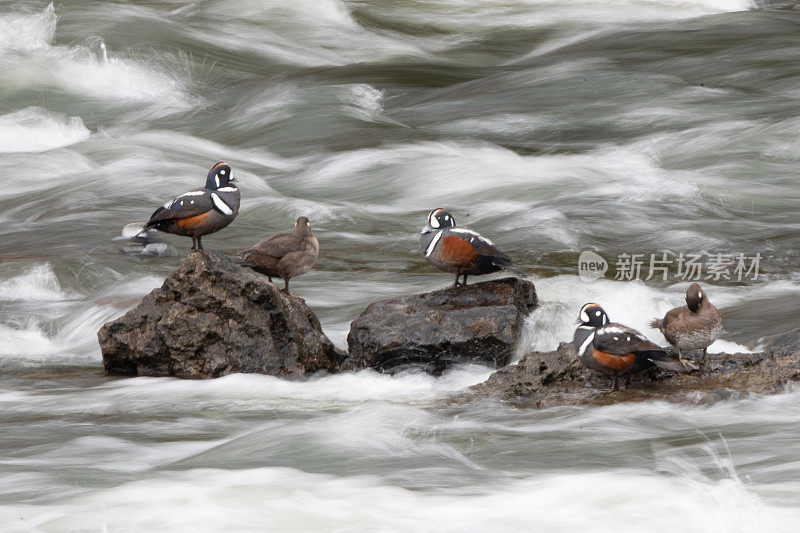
x,y
32,130
552,127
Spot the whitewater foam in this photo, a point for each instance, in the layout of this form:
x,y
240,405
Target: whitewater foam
x,y
334,390
32,60
288,499
23,31
38,284
309,33
36,130
423,173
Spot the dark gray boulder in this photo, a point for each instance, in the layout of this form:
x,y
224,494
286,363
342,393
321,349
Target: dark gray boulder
x,y
213,317
557,378
477,323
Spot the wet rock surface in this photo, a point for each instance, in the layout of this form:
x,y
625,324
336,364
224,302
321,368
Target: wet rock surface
x,y
213,317
476,323
557,378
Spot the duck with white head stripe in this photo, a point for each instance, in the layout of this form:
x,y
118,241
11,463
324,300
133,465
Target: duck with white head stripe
x,y
202,211
617,350
461,251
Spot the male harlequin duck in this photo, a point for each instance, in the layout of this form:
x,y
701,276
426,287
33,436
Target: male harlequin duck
x,y
284,255
618,350
197,213
460,250
694,326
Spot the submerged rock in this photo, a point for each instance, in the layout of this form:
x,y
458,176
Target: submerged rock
x,y
477,323
212,317
551,379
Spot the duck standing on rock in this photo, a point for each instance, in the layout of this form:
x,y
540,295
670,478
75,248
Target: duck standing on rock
x,y
694,326
617,350
202,211
461,251
284,255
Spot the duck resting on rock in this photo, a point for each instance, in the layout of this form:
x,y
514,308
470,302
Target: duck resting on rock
x,y
617,350
461,251
202,211
284,255
694,326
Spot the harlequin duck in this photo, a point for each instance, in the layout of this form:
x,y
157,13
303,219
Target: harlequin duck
x,y
200,212
284,255
617,350
694,326
461,251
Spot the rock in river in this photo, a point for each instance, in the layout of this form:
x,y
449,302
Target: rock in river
x,y
213,317
477,323
551,379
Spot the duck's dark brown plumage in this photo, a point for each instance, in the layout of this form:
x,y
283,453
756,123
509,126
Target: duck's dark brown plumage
x,y
284,255
694,326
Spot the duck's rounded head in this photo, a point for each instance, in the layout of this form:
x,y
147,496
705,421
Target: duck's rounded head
x,y
438,219
694,297
592,315
219,176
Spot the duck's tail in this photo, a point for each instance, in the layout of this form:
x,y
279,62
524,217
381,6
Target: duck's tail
x,y
667,361
134,229
514,270
508,267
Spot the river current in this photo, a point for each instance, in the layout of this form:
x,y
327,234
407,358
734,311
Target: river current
x,y
629,128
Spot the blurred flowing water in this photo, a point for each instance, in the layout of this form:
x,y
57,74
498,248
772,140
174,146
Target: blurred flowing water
x,y
551,126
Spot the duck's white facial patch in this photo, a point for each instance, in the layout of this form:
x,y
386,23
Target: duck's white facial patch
x,y
219,204
434,242
223,172
584,316
700,295
433,221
